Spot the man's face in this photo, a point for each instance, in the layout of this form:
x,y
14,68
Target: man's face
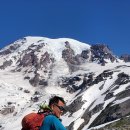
x,y
58,108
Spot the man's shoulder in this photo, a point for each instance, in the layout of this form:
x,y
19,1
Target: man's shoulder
x,y
51,117
54,122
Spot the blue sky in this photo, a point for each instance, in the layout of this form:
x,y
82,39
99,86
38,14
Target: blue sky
x,y
89,21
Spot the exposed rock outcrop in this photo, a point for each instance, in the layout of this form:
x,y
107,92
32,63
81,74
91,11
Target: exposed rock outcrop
x,y
125,57
7,110
6,64
112,112
100,52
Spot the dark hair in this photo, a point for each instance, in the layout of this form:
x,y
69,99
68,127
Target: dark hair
x,y
56,99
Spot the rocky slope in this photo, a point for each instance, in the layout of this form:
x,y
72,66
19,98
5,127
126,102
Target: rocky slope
x,y
120,124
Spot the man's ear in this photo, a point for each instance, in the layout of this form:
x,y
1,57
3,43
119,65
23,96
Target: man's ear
x,y
52,106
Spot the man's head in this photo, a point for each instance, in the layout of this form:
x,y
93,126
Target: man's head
x,y
57,105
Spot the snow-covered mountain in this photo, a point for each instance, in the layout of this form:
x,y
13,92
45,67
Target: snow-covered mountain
x,y
94,82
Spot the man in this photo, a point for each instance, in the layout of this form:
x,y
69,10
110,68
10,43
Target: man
x,y
52,121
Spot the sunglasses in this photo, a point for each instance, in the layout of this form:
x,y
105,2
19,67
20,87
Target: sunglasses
x,y
60,107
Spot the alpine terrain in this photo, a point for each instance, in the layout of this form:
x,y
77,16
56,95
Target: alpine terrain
x,y
94,82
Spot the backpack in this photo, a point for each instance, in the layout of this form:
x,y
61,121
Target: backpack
x,y
33,121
